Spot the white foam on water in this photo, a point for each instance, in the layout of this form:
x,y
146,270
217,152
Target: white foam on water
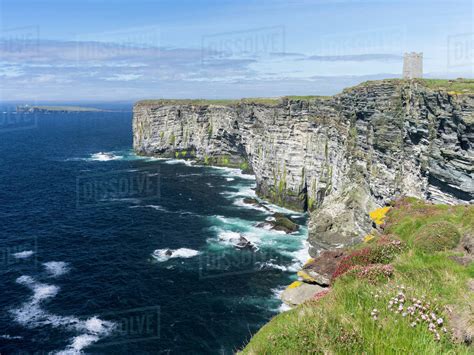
x,y
10,337
155,207
270,265
180,161
230,179
78,343
233,172
23,254
31,315
105,156
161,254
40,291
243,191
125,199
277,294
227,236
240,203
56,268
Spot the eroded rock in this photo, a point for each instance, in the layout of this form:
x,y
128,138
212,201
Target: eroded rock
x,y
321,269
299,292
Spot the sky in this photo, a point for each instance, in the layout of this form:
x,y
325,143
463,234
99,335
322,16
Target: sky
x,y
117,50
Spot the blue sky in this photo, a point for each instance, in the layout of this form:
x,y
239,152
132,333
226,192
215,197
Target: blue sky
x,y
98,50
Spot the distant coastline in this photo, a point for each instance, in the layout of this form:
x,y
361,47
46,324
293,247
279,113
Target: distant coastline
x,y
56,109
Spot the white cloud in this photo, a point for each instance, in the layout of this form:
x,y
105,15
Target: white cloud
x,y
124,77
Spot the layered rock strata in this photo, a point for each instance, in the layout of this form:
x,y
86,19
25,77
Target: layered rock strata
x,y
337,157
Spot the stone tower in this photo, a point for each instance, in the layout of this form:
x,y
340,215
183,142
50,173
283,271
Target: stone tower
x,y
412,65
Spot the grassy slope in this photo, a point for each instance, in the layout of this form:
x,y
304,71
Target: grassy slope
x,y
341,322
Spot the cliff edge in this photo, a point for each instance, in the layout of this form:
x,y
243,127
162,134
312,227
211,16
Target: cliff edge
x,y
337,157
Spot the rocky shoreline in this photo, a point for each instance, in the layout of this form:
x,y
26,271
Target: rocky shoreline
x,y
336,157
341,158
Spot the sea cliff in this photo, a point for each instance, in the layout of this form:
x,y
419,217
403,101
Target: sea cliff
x,y
337,157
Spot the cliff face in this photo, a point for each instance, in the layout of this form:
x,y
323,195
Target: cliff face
x,y
338,157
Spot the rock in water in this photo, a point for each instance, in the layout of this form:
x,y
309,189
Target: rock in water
x,y
243,243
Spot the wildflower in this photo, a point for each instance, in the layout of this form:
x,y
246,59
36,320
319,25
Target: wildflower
x,y
444,330
374,314
439,321
413,324
404,314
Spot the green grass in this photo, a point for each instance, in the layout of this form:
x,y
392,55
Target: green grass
x,y
454,87
458,86
341,322
270,101
205,102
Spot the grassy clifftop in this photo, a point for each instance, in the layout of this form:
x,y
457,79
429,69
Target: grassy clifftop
x,y
455,87
416,297
269,101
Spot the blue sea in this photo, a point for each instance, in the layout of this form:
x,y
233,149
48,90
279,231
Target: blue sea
x,y
103,251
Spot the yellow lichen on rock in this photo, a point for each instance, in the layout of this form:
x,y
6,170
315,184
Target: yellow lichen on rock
x,y
368,238
294,285
308,262
378,215
306,277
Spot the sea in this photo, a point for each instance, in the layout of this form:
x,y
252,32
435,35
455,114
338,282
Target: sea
x,y
106,252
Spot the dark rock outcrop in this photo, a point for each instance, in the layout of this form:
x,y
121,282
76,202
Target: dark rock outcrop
x,y
321,269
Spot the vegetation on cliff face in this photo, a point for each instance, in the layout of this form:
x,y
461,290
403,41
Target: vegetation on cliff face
x,y
454,86
419,300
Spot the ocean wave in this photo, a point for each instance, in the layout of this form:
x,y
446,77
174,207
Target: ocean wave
x,y
31,315
270,265
240,203
233,172
180,161
166,254
155,207
23,254
10,337
105,156
277,294
240,193
56,268
128,155
78,343
125,199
